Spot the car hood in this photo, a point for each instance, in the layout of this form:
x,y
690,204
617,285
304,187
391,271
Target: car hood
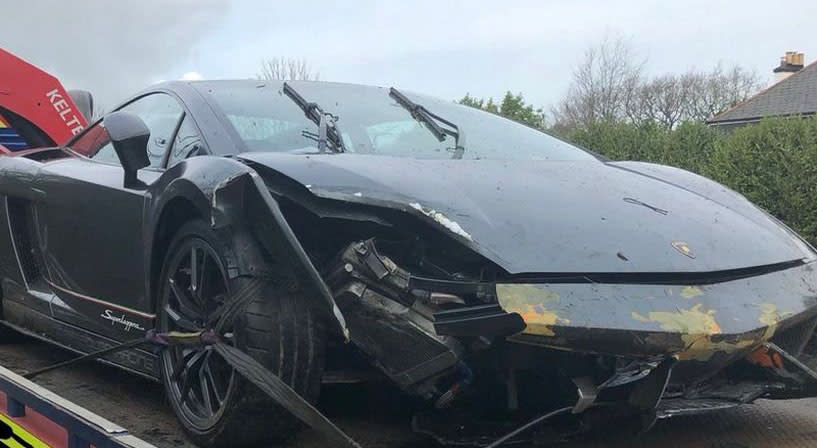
x,y
559,216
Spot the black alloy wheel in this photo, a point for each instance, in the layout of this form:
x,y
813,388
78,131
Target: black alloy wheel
x,y
278,328
200,381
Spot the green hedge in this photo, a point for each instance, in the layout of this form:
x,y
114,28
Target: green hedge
x,y
772,163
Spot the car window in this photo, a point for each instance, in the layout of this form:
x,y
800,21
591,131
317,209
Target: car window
x,y
161,114
188,142
264,132
404,138
372,122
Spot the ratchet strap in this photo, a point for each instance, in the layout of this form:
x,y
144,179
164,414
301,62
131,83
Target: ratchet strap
x,y
244,364
254,372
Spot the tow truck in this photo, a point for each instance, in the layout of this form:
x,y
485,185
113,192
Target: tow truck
x,y
35,109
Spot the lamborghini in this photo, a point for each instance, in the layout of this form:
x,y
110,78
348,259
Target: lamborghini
x,y
490,270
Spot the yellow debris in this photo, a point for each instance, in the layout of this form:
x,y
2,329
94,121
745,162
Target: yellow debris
x,y
690,292
693,320
696,328
534,303
770,316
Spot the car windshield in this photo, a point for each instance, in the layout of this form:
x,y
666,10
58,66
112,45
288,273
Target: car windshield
x,y
372,122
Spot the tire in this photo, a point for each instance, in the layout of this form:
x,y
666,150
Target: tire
x,y
278,329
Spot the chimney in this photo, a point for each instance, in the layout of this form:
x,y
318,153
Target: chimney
x,y
791,62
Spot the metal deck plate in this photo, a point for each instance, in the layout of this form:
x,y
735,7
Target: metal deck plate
x,y
139,405
766,424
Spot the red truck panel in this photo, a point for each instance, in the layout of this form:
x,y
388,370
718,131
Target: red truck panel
x,y
39,98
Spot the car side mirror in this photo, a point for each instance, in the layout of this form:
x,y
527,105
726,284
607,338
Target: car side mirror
x,y
130,136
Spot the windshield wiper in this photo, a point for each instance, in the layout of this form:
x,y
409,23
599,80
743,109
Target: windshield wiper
x,y
327,123
432,122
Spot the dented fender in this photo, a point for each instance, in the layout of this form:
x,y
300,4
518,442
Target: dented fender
x,y
235,201
263,217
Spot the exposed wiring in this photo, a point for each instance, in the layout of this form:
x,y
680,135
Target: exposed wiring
x,y
526,426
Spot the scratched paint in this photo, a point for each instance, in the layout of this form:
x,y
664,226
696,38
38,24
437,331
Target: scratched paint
x,y
770,316
693,320
702,348
691,292
698,327
443,220
535,303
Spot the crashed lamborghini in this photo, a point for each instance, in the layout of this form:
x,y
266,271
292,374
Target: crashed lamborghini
x,y
489,269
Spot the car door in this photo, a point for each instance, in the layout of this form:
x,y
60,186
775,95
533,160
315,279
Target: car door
x,y
91,226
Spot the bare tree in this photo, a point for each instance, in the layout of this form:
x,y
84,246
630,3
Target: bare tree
x,y
287,68
603,85
610,85
719,90
662,99
692,96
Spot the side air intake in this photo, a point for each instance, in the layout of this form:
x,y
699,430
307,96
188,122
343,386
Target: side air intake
x,y
21,221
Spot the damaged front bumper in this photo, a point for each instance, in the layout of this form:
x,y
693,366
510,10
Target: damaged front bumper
x,y
707,326
735,341
661,350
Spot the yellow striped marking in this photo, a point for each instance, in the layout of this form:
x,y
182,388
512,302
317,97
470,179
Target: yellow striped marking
x,y
19,438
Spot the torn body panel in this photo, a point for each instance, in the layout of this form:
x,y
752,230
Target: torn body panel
x,y
242,209
387,320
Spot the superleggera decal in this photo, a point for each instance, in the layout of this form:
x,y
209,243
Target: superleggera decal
x,y
109,315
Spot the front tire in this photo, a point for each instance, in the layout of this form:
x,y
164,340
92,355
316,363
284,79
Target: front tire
x,y
215,405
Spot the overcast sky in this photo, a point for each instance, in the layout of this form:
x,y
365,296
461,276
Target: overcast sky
x,y
444,48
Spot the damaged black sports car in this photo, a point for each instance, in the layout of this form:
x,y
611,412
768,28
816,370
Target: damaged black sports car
x,y
492,270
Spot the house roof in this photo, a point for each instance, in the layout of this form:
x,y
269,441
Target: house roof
x,y
795,95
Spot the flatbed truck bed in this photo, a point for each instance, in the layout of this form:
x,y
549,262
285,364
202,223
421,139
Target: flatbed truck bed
x,y
32,416
377,421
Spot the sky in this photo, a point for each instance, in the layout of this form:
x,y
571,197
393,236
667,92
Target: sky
x,y
442,48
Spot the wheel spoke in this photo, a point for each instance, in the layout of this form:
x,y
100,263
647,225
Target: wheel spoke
x,y
206,386
180,321
186,306
185,389
202,280
194,271
180,363
193,367
187,362
214,377
214,315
